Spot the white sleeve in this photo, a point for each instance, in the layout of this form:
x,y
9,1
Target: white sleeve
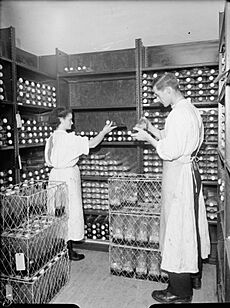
x,y
78,145
173,145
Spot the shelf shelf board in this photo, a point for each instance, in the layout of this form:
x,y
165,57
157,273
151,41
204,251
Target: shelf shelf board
x,y
106,108
96,212
6,59
119,143
6,148
212,222
176,67
94,178
34,108
8,103
33,70
207,104
25,146
209,183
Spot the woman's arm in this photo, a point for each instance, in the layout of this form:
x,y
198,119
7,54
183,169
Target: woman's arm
x,y
97,139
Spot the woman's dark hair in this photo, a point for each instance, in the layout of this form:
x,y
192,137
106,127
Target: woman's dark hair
x,y
167,80
56,114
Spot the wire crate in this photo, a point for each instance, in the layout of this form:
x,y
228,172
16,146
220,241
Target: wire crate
x,y
134,194
24,250
134,229
25,200
136,262
40,288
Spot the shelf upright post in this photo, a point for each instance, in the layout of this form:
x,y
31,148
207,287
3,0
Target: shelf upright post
x,y
139,67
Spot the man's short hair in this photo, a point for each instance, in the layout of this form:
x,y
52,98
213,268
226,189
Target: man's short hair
x,y
167,80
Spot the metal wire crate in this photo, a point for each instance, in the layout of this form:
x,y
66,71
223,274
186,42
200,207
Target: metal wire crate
x,y
23,201
134,229
40,288
26,249
136,262
134,194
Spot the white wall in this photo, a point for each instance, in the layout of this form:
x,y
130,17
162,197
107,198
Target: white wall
x,y
86,26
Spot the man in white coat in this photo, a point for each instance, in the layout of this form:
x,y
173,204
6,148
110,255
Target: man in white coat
x,y
184,235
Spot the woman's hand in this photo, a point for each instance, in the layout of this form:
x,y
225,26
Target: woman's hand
x,y
140,135
108,127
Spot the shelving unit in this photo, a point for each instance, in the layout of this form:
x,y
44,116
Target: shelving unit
x,y
223,225
22,73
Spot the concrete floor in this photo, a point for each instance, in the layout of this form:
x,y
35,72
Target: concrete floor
x,y
92,286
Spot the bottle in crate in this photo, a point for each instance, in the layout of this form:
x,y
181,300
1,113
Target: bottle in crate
x,y
153,232
116,228
130,225
142,231
141,268
116,260
128,265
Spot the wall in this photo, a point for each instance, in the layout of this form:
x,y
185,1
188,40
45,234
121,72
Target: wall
x,y
87,26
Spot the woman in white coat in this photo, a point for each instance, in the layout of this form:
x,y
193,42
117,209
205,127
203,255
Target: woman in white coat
x,y
62,152
184,235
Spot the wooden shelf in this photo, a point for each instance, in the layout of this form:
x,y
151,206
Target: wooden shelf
x,y
96,212
6,148
32,70
25,146
35,108
209,183
177,67
6,59
99,108
94,178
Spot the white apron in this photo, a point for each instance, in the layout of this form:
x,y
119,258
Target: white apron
x,y
62,152
178,239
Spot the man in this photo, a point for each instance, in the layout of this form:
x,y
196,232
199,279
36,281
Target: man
x,y
184,236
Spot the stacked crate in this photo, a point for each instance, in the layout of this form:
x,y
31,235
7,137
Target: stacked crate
x,y
34,258
134,217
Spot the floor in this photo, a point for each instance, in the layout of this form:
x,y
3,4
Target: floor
x,y
92,286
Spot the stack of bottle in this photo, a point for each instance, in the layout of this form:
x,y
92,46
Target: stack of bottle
x,y
157,118
105,165
97,227
6,178
2,94
208,162
34,167
210,120
211,203
6,134
113,136
36,93
34,132
95,195
195,83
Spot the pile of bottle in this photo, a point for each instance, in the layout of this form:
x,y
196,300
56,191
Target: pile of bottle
x,y
6,178
95,195
211,203
34,132
136,263
208,162
105,165
113,136
157,118
221,191
210,120
6,135
97,227
2,97
195,83
36,94
33,166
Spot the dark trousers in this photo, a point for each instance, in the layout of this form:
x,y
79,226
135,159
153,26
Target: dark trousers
x,y
180,284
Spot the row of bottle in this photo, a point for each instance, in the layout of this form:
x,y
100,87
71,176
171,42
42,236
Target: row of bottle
x,y
78,68
6,178
113,136
211,202
95,195
28,174
97,228
33,132
2,94
196,84
138,263
222,125
36,93
6,134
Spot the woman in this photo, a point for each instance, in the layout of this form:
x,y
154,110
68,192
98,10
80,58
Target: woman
x,y
62,152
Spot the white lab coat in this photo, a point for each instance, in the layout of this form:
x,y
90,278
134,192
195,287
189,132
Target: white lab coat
x,y
62,152
178,240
